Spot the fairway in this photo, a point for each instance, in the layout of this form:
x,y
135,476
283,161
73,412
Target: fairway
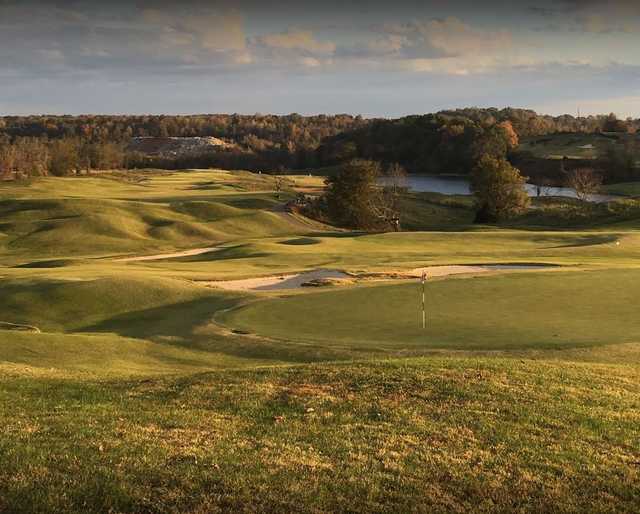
x,y
524,310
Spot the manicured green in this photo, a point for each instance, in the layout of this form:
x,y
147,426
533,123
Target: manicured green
x,y
525,310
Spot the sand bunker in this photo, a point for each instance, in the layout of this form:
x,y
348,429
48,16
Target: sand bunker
x,y
328,277
444,271
279,282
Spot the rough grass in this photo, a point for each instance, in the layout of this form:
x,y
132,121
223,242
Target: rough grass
x,y
420,435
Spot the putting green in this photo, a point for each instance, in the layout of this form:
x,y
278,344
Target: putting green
x,y
522,310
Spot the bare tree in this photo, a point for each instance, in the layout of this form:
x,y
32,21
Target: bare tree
x,y
8,158
278,186
395,183
395,178
584,181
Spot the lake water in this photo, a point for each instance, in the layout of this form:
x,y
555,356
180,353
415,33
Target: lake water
x,y
453,185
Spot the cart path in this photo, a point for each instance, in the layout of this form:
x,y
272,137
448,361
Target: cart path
x,y
173,255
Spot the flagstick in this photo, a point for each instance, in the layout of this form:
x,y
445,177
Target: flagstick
x,y
424,313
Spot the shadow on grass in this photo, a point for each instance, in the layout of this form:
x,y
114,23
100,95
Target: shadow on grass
x,y
241,251
175,321
589,241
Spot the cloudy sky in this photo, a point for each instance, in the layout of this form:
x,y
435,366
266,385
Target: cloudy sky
x,y
372,58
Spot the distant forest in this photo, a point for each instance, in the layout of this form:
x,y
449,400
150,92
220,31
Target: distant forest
x,y
448,141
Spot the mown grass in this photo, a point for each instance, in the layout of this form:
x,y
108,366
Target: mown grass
x,y
96,216
625,189
558,146
132,399
525,310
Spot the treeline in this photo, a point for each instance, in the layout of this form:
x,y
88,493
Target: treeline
x,y
433,143
529,123
445,142
260,140
259,131
37,156
454,141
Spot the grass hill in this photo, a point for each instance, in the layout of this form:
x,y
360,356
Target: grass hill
x,y
135,386
573,146
102,216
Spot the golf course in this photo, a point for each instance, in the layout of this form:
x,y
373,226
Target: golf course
x,y
182,341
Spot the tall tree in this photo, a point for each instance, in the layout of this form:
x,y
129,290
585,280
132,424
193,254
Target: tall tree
x,y
353,196
65,157
499,189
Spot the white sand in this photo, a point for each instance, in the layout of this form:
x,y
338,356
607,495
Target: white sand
x,y
277,282
296,280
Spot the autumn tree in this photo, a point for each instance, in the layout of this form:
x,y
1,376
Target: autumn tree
x,y
499,190
511,135
65,157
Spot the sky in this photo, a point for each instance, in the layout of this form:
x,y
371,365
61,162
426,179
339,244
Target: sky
x,y
374,58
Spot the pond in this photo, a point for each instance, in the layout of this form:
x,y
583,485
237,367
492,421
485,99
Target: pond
x,y
457,185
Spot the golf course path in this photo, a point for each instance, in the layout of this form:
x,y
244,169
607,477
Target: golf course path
x,y
157,257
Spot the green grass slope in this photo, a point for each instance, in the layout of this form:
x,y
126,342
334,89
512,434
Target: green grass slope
x,y
522,394
419,435
577,146
92,216
74,305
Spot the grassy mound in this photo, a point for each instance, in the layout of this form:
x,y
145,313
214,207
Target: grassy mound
x,y
93,227
550,309
207,211
419,435
135,305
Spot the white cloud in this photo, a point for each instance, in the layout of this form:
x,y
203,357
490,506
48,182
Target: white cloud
x,y
445,46
300,40
209,28
448,37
